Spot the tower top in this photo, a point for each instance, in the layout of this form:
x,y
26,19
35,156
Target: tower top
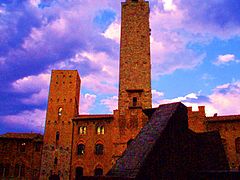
x,y
135,1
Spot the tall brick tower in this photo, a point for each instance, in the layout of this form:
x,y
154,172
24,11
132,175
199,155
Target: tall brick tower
x,y
63,103
135,73
135,64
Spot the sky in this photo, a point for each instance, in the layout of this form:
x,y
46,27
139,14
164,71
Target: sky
x,y
195,55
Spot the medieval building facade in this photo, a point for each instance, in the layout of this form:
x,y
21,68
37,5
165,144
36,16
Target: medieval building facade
x,y
86,145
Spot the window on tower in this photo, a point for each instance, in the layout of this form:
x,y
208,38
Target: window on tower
x,y
134,101
57,136
23,147
60,111
55,161
80,149
237,144
135,1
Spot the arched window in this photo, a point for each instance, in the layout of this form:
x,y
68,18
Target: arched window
x,y
57,136
98,172
99,149
237,144
79,173
6,170
100,130
16,171
224,143
82,130
60,111
80,149
1,170
134,101
22,171
55,161
23,147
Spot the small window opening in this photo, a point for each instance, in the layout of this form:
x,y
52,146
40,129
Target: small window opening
x,y
22,147
237,144
57,136
82,130
98,172
55,161
134,0
37,147
60,111
16,171
98,149
22,172
134,101
81,149
100,130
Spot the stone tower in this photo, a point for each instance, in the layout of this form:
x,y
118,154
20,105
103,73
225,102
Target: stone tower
x,y
135,73
135,64
63,103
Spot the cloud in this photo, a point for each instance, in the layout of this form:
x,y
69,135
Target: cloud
x,y
224,59
168,5
218,18
29,120
156,97
86,103
37,98
34,83
113,32
223,100
111,103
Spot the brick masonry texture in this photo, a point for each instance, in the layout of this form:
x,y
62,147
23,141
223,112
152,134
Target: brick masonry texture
x,y
11,155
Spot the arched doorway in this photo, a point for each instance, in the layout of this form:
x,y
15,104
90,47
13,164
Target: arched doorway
x,y
98,172
54,177
79,173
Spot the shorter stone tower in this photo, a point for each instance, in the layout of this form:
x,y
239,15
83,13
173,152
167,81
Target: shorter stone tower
x,y
63,104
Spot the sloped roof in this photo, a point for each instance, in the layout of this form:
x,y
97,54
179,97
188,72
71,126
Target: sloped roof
x,y
134,156
29,136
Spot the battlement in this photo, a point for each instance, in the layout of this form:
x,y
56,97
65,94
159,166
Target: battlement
x,y
197,119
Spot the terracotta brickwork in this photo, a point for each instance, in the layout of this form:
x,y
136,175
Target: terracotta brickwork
x,y
197,119
91,130
20,155
228,127
63,103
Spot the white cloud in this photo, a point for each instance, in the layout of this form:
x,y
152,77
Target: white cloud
x,y
31,119
86,103
224,59
111,103
113,32
224,100
34,83
96,84
37,98
156,97
168,5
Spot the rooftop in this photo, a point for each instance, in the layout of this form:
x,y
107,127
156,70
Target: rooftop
x,y
22,136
